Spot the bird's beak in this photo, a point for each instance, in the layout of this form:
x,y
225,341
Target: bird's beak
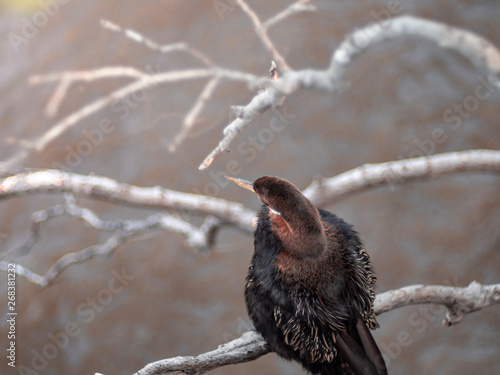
x,y
243,183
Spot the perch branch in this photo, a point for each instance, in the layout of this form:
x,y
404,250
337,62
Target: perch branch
x,y
320,192
251,345
458,301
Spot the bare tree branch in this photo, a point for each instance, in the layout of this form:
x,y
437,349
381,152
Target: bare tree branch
x,y
245,115
248,347
54,181
320,192
458,301
193,114
144,81
151,44
262,34
251,345
478,50
475,48
323,191
122,231
297,7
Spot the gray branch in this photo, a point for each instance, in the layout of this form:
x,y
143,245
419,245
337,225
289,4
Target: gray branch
x,y
98,187
479,51
121,232
217,211
250,346
323,191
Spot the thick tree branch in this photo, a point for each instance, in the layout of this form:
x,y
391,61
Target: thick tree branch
x,y
251,345
323,191
476,49
458,301
54,181
248,347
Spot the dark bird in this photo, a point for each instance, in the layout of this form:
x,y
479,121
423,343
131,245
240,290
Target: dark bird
x,y
309,289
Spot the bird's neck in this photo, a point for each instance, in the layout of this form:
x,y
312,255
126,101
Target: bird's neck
x,y
301,233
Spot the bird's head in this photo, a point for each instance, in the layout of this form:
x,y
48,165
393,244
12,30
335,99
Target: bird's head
x,y
279,195
293,217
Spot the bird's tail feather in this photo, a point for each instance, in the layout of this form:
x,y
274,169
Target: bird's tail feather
x,y
357,354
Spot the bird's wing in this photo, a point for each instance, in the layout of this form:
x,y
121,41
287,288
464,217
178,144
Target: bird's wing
x,y
359,350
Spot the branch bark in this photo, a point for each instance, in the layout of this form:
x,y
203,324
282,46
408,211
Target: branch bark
x,y
121,231
324,191
478,50
261,32
250,346
320,192
55,181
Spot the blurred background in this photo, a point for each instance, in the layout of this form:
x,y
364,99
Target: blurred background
x,y
171,300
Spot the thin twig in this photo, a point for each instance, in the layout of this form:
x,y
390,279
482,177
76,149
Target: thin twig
x,y
262,34
122,230
148,82
151,44
89,75
297,7
245,115
193,114
478,50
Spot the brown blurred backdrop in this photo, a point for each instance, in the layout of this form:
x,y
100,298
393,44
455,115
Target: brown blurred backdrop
x,y
170,300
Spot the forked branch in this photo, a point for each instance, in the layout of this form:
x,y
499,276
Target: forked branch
x,y
216,210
